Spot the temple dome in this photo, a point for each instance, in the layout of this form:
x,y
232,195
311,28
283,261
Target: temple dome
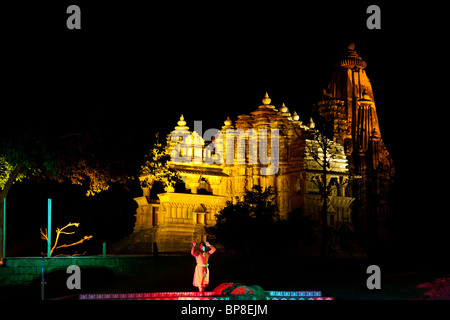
x,y
266,100
228,122
181,124
351,60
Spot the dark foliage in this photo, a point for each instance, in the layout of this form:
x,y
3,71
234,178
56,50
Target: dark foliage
x,y
253,225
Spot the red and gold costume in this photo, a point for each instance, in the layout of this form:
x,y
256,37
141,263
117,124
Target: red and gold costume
x,y
201,273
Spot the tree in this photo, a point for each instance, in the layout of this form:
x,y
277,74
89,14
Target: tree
x,y
325,148
299,230
22,155
85,158
323,156
156,166
250,225
44,236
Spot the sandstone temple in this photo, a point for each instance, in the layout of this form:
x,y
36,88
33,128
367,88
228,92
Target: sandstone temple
x,y
359,169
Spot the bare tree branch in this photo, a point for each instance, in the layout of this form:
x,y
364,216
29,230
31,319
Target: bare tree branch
x,y
58,233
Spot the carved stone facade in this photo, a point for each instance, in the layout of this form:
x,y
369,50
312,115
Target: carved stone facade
x,y
349,105
180,217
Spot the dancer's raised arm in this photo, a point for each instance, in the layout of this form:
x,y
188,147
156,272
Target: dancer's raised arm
x,y
193,249
212,249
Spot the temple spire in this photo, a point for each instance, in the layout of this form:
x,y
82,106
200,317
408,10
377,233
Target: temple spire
x,y
266,103
350,95
181,123
351,59
266,100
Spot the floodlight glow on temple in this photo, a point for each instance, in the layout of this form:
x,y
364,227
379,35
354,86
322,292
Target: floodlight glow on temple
x,y
355,153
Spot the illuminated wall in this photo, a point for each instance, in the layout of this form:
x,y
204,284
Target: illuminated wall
x,y
180,217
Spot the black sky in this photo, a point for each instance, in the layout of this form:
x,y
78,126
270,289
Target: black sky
x,y
133,68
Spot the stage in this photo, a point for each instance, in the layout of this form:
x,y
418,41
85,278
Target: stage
x,y
210,295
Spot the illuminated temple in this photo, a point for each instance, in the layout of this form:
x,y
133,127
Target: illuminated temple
x,y
348,105
358,176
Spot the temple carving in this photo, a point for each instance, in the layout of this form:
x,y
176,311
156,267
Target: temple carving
x,y
358,176
348,106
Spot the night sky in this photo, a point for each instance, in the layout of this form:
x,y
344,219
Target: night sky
x,y
133,69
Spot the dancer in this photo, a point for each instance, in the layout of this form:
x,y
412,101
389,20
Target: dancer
x,y
201,273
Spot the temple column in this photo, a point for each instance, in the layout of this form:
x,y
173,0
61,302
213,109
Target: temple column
x,y
271,182
162,214
256,179
193,214
173,213
201,218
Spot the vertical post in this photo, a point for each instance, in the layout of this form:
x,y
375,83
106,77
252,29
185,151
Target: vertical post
x,y
4,227
42,279
104,249
49,228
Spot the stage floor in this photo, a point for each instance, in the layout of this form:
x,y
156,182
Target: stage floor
x,y
210,295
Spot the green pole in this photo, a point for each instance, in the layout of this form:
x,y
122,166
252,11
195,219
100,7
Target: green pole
x,y
4,227
49,227
104,250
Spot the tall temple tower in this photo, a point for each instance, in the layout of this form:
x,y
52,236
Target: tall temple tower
x,y
348,107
